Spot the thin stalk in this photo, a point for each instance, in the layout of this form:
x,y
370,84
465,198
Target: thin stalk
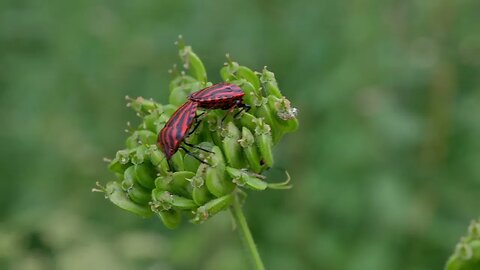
x,y
245,234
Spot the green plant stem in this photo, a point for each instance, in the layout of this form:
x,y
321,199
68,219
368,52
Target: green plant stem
x,y
245,233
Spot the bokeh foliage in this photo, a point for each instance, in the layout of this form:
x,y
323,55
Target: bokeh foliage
x,y
385,164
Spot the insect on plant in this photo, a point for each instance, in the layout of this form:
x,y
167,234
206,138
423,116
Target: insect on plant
x,y
225,96
240,150
176,129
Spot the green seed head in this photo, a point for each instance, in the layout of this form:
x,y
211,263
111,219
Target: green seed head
x,y
238,148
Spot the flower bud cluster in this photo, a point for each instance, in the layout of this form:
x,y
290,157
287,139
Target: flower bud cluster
x,y
240,145
467,251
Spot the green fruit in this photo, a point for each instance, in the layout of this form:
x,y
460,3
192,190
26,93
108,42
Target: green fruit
x,y
190,163
243,178
193,64
231,147
212,207
263,139
250,150
179,95
200,195
139,194
176,183
177,162
158,159
269,83
150,123
145,175
164,200
248,120
139,154
181,80
215,178
146,137
129,178
217,183
116,166
142,106
170,218
227,72
284,114
249,75
117,196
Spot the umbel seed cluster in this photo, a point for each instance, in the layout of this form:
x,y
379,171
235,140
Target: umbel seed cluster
x,y
239,147
467,251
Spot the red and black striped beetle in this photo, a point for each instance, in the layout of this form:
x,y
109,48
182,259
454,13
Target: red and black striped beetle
x,y
218,96
225,96
176,129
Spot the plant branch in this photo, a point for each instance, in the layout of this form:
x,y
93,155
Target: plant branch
x,y
245,234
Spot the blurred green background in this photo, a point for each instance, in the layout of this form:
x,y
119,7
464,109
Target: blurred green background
x,y
385,165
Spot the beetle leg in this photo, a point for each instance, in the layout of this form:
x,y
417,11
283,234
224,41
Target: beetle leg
x,y
194,128
229,112
198,147
244,107
170,165
192,155
196,124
